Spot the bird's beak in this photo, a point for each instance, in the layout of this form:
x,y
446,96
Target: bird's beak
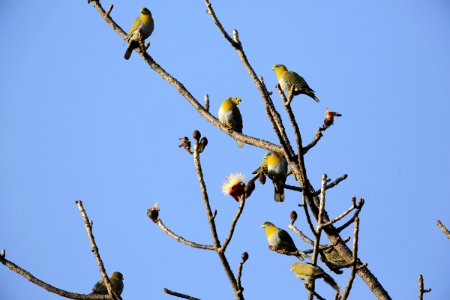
x,y
263,226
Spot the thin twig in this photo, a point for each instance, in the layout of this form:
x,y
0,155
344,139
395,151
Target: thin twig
x,y
308,217
352,219
354,206
212,225
233,224
205,197
109,10
300,234
287,105
355,260
317,193
300,254
183,240
244,258
316,139
332,184
422,289
310,288
88,226
13,267
179,295
318,232
443,228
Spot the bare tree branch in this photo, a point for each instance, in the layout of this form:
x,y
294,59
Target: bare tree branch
x,y
355,260
88,226
317,233
244,258
12,266
422,289
354,206
233,224
179,295
183,240
443,228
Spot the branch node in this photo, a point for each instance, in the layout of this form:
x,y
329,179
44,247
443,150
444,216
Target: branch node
x,y
109,10
206,100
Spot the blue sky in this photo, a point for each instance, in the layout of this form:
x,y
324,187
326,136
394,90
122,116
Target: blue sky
x,y
77,121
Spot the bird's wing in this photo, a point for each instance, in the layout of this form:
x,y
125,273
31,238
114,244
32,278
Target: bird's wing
x,y
238,117
286,240
135,26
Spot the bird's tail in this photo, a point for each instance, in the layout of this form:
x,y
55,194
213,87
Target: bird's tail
x,y
311,94
279,191
328,279
131,47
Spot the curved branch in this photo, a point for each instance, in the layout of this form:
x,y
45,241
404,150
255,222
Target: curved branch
x,y
12,266
179,295
233,224
181,239
443,228
355,260
212,225
88,226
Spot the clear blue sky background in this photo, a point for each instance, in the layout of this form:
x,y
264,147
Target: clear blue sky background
x,y
77,121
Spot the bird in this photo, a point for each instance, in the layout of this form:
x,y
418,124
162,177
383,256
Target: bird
x,y
308,272
332,255
277,168
287,79
116,280
279,239
230,116
262,167
141,29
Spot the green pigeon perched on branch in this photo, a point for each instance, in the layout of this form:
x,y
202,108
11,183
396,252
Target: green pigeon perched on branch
x,y
141,29
230,116
277,167
116,280
308,272
288,79
279,239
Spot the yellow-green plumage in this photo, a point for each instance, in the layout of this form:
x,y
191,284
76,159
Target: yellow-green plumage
x,y
141,29
230,116
116,280
308,272
288,79
332,255
279,238
277,168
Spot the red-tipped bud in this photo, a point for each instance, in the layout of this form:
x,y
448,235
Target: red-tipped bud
x,y
329,117
153,213
234,186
